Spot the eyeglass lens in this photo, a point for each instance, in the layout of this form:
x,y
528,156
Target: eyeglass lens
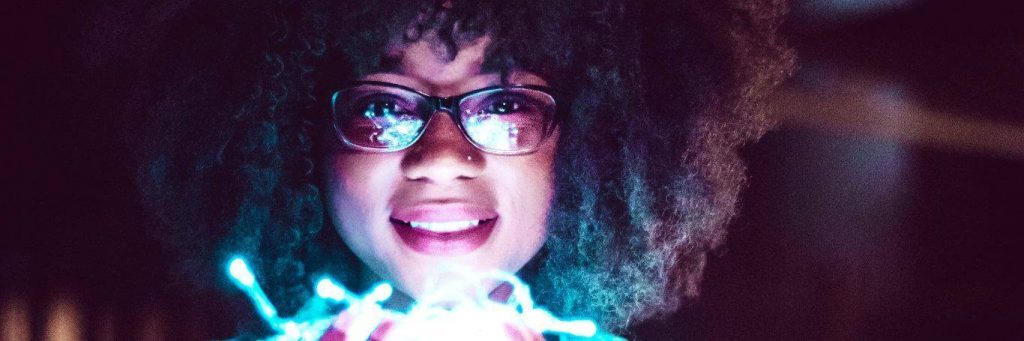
x,y
502,120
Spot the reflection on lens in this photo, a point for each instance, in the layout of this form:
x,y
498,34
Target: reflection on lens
x,y
507,120
383,132
378,117
492,132
395,132
383,117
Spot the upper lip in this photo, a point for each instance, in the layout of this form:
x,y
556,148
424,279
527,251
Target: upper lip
x,y
443,211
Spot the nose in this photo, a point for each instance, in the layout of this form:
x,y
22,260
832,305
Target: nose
x,y
442,154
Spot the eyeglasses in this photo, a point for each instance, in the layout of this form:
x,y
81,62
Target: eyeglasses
x,y
385,117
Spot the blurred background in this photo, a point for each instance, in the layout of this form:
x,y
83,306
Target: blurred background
x,y
887,205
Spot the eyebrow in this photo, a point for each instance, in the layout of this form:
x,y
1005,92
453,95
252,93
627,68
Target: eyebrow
x,y
393,64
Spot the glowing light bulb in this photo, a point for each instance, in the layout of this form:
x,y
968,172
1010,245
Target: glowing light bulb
x,y
326,288
246,280
241,273
380,293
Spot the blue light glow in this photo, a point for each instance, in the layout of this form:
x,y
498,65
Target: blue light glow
x,y
491,131
246,281
393,131
380,293
326,288
241,273
447,313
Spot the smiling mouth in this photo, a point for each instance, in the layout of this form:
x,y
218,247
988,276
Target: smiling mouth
x,y
450,238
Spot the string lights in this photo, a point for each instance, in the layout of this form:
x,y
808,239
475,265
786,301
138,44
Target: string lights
x,y
460,311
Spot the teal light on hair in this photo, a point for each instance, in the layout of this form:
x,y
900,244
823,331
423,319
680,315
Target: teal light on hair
x,y
246,280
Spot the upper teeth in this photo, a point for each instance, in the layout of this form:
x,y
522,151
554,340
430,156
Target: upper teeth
x,y
448,226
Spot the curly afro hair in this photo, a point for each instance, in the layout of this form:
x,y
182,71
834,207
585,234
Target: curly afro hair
x,y
647,171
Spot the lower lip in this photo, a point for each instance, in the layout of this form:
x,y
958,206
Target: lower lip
x,y
445,243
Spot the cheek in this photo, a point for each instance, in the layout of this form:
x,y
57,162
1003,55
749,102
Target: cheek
x,y
356,187
528,184
532,204
529,188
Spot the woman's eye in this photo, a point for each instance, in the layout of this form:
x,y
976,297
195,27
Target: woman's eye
x,y
380,109
503,106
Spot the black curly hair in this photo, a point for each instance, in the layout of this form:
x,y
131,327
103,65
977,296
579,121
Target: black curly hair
x,y
232,144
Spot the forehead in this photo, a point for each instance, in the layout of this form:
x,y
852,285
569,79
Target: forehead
x,y
429,66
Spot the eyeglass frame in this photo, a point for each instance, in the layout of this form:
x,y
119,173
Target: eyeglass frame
x,y
450,105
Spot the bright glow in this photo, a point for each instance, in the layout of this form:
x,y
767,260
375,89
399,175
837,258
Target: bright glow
x,y
246,280
15,318
380,293
493,132
241,273
366,317
64,320
396,131
326,288
446,313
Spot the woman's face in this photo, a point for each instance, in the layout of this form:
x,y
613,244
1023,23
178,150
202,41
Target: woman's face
x,y
441,202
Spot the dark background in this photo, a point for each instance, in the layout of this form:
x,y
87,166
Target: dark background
x,y
887,205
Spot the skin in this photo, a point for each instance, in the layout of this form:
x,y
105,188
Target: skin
x,y
363,188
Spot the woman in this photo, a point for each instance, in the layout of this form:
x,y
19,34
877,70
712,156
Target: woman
x,y
523,137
